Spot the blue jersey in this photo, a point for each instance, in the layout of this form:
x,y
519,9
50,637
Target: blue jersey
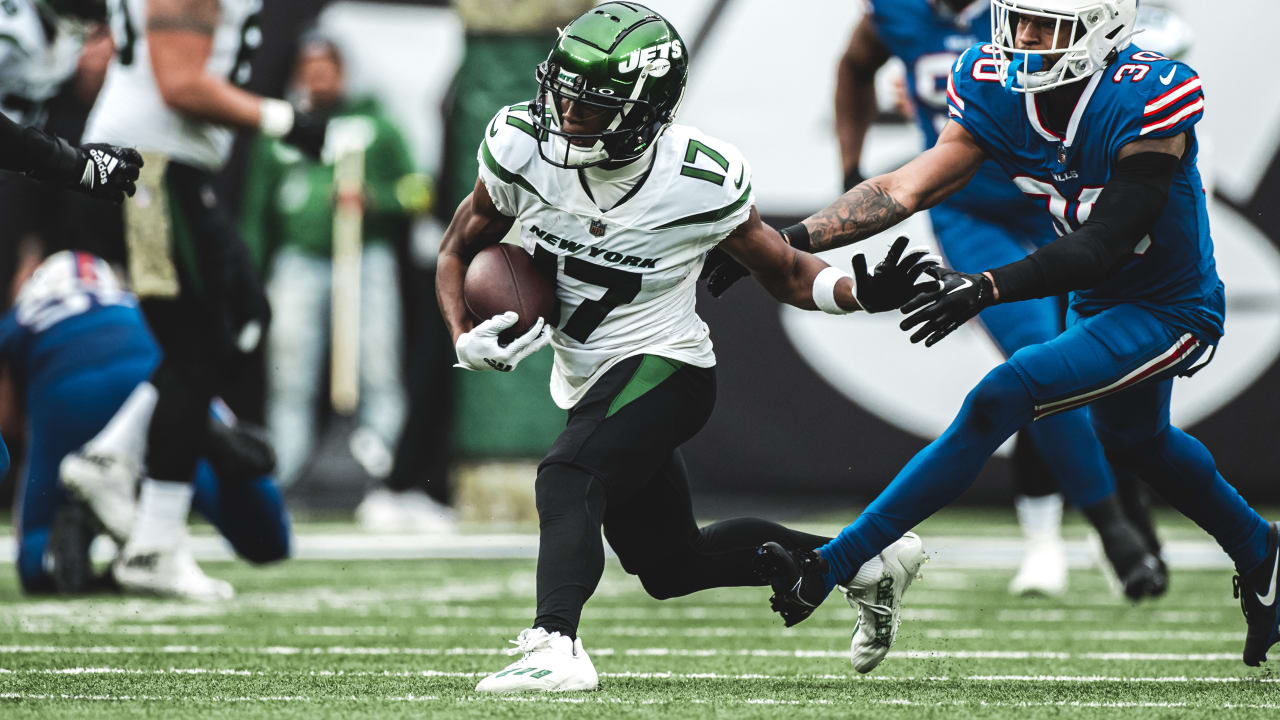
x,y
1141,94
72,315
929,44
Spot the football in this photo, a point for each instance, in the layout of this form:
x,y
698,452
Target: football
x,y
501,278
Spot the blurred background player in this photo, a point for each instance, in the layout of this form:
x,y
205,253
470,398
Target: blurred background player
x,y
77,346
173,90
288,220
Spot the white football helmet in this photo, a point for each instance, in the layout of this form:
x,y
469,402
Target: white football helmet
x,y
1098,30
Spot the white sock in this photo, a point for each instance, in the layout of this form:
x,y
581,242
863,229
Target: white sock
x,y
126,434
162,513
1040,517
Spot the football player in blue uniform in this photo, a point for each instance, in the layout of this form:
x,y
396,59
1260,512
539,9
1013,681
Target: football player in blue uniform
x,y
78,346
986,224
1101,132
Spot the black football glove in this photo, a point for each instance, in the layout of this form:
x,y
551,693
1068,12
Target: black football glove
x,y
107,172
307,133
893,282
941,311
720,271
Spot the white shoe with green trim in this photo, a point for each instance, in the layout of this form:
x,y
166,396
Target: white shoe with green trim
x,y
876,593
549,662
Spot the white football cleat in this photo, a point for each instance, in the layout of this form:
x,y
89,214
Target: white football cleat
x,y
549,662
108,484
409,511
1043,570
876,593
170,571
1044,557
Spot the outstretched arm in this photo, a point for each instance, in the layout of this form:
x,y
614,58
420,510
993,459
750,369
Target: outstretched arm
x,y
798,278
884,201
1128,207
787,273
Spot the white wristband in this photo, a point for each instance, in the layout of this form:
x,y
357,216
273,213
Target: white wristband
x,y
275,117
824,290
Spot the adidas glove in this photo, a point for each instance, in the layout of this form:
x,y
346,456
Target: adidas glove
x,y
893,282
107,172
939,312
481,350
303,130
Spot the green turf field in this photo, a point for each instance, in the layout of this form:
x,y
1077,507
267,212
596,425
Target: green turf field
x,y
409,638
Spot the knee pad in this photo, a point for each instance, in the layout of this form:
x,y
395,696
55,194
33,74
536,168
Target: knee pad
x,y
560,488
998,399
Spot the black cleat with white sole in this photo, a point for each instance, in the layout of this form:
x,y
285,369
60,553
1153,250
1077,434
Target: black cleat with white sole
x,y
796,577
1257,594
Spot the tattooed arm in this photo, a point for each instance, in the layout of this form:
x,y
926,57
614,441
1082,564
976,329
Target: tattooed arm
x,y
180,40
882,202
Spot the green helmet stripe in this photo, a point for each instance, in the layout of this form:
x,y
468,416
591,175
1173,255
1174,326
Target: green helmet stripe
x,y
506,175
711,215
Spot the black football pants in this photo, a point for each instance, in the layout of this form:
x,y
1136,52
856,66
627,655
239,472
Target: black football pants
x,y
618,465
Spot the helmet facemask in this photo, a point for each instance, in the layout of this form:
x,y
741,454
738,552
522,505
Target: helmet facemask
x,y
628,125
1087,36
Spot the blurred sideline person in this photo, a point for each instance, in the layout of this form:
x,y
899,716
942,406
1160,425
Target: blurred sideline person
x,y
78,345
620,205
989,223
173,89
287,220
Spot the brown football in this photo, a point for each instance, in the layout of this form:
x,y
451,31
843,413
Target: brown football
x,y
503,277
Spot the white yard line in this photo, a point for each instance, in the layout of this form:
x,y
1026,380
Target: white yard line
x,y
800,677
592,699
714,631
628,652
948,551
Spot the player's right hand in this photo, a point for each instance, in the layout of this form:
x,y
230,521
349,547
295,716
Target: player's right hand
x,y
480,349
307,133
109,172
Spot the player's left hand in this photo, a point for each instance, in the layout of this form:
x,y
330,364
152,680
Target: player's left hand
x,y
939,312
894,280
109,172
720,271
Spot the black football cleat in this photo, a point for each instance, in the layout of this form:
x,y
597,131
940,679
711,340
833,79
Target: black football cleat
x,y
1257,594
796,577
72,532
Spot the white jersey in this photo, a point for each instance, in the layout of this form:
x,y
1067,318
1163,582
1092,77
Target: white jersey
x,y
625,279
129,110
36,58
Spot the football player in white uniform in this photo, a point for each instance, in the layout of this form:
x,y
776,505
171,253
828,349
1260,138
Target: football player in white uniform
x,y
173,91
620,206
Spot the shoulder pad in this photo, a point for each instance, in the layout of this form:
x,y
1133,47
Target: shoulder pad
x,y
1170,92
709,179
510,137
974,77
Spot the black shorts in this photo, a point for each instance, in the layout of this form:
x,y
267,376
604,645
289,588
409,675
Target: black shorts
x,y
625,429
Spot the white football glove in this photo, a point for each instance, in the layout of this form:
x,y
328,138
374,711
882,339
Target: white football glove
x,y
479,349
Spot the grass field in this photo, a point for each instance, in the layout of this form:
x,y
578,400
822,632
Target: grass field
x,y
409,638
